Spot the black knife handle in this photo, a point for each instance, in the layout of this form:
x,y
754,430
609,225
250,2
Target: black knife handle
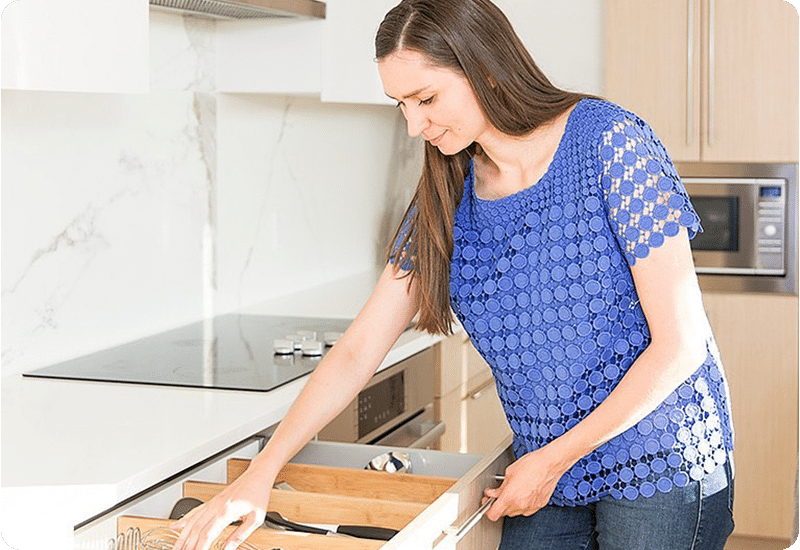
x,y
367,532
277,519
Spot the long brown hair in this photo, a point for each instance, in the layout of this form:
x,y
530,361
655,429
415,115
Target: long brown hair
x,y
475,39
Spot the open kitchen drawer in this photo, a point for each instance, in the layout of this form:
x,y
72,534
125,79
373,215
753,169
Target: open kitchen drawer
x,y
437,506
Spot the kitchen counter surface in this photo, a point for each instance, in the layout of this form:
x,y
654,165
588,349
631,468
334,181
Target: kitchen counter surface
x,y
71,449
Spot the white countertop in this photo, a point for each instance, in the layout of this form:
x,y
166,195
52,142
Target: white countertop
x,y
71,450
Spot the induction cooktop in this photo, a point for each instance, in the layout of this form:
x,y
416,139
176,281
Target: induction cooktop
x,y
230,352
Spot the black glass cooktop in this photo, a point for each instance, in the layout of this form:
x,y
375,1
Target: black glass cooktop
x,y
232,352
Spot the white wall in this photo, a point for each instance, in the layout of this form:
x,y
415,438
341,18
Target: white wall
x,y
306,197
125,215
564,37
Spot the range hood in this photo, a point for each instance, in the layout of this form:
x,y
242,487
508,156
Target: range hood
x,y
244,9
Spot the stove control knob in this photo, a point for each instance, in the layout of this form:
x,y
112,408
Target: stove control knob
x,y
331,337
312,348
297,339
283,347
307,334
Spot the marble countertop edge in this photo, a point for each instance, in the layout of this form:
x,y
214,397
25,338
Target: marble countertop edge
x,y
82,446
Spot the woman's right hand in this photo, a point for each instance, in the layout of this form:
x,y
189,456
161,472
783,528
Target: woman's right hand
x,y
245,499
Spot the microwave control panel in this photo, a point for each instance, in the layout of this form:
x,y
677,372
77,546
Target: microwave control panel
x,y
770,221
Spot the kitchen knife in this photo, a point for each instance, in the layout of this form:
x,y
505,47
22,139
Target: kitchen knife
x,y
360,531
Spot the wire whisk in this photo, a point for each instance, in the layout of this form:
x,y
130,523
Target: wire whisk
x,y
163,538
129,540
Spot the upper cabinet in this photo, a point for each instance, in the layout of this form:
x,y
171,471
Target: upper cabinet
x,y
103,46
279,56
717,79
334,58
75,46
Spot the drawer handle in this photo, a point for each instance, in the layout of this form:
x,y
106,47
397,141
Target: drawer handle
x,y
479,392
711,73
689,70
429,437
455,534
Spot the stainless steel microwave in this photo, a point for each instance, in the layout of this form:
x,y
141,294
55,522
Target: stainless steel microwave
x,y
749,217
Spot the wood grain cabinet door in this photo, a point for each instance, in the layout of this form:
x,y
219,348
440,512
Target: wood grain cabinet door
x,y
750,97
653,67
757,335
716,79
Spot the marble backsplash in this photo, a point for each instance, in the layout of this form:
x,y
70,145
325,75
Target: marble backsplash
x,y
125,215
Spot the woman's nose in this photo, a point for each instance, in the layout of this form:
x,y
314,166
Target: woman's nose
x,y
417,122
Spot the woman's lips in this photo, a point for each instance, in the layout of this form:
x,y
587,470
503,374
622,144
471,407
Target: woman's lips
x,y
436,140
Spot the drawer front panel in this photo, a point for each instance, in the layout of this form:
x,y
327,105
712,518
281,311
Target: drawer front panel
x,y
423,519
158,502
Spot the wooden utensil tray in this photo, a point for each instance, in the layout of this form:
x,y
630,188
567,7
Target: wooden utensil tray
x,y
323,494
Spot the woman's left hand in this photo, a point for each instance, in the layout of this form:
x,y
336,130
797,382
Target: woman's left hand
x,y
528,485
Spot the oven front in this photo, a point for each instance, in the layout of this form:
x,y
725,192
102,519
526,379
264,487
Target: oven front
x,y
394,409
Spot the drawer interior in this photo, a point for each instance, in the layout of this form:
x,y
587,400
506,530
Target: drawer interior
x,y
319,494
315,478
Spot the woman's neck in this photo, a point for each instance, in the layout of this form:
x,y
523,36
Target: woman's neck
x,y
509,164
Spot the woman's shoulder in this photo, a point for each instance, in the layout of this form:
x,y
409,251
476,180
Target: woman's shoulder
x,y
602,112
598,117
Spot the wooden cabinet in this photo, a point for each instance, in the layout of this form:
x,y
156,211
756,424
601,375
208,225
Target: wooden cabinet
x,y
757,335
327,484
76,46
717,79
466,399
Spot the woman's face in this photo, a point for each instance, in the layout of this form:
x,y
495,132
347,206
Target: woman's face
x,y
438,103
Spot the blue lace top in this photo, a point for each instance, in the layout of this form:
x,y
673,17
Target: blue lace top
x,y
540,280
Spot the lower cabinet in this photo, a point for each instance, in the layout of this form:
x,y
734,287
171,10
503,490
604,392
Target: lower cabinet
x,y
757,335
467,399
438,505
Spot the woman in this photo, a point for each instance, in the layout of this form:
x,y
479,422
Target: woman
x,y
556,228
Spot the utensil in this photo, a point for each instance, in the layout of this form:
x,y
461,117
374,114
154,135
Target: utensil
x,y
359,531
126,541
163,538
184,506
392,462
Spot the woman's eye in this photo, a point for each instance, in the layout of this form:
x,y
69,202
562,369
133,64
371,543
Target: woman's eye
x,y
426,101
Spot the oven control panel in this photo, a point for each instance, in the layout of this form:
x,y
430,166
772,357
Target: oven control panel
x,y
392,398
381,403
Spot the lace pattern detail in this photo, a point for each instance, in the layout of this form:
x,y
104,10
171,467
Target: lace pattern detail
x,y
540,283
646,199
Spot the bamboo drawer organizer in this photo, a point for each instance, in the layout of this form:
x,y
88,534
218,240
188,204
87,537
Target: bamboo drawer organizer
x,y
323,494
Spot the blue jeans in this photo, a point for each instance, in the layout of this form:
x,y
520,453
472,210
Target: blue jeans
x,y
696,517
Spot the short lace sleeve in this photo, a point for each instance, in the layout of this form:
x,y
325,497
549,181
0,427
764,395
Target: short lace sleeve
x,y
646,199
407,261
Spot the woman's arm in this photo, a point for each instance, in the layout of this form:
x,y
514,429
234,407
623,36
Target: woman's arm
x,y
670,298
342,373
